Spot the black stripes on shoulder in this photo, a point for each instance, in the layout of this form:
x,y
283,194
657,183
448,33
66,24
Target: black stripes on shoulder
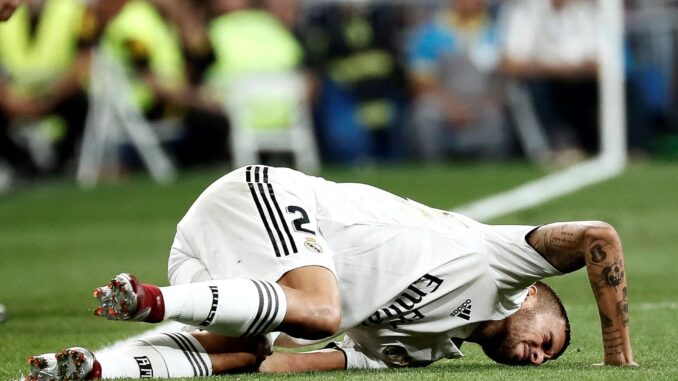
x,y
269,210
191,352
269,306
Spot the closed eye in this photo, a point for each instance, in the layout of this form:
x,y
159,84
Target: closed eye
x,y
549,343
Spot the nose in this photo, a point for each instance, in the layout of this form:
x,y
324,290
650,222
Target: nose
x,y
537,356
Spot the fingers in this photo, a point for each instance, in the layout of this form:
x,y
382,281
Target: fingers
x,y
632,364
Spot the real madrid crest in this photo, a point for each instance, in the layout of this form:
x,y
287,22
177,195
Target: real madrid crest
x,y
312,245
396,355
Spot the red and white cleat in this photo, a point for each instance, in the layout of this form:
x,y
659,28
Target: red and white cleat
x,y
72,364
43,368
75,364
126,298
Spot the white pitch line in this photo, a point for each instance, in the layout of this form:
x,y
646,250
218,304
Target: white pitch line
x,y
655,306
612,158
544,189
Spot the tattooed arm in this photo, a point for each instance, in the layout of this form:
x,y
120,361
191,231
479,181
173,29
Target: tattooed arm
x,y
572,245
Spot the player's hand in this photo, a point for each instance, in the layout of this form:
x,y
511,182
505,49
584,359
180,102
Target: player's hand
x,y
619,359
620,355
632,364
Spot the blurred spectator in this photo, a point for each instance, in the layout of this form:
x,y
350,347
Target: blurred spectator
x,y
247,39
551,45
143,41
45,52
652,58
354,51
7,8
457,109
18,157
287,11
166,78
191,18
223,40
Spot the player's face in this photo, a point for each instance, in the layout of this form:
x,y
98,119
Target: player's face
x,y
530,338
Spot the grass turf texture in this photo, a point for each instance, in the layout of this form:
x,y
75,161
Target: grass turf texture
x,y
57,243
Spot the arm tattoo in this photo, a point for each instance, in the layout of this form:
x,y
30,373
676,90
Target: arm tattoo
x,y
623,308
613,343
614,273
561,246
605,322
611,271
561,239
598,254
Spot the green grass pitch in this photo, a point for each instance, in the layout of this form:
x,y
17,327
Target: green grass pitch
x,y
57,243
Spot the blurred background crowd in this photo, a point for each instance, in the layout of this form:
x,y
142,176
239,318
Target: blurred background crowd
x,y
104,86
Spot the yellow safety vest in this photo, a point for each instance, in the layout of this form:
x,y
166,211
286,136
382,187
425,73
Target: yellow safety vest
x,y
32,62
363,64
253,41
140,22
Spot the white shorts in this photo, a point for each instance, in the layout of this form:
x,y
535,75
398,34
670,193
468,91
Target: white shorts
x,y
256,222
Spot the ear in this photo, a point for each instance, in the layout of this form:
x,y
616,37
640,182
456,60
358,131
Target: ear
x,y
532,291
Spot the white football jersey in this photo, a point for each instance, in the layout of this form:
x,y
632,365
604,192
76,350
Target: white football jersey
x,y
411,277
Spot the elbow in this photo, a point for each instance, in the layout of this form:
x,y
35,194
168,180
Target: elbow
x,y
600,230
599,235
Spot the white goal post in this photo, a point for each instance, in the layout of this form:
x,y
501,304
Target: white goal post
x,y
613,153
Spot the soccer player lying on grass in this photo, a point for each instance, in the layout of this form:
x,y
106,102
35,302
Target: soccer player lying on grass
x,y
266,250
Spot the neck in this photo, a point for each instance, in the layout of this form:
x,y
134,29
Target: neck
x,y
486,331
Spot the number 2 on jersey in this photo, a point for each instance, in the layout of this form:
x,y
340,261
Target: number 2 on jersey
x,y
301,221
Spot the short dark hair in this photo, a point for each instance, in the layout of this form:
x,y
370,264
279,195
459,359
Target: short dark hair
x,y
550,302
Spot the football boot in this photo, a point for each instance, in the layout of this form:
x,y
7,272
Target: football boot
x,y
71,364
126,298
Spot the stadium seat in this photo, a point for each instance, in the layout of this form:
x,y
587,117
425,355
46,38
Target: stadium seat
x,y
269,113
114,119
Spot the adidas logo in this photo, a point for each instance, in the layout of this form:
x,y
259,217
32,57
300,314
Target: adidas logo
x,y
463,311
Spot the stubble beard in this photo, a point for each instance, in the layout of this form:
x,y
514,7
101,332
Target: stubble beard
x,y
502,347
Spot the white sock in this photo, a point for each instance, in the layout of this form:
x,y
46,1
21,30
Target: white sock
x,y
230,307
165,355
